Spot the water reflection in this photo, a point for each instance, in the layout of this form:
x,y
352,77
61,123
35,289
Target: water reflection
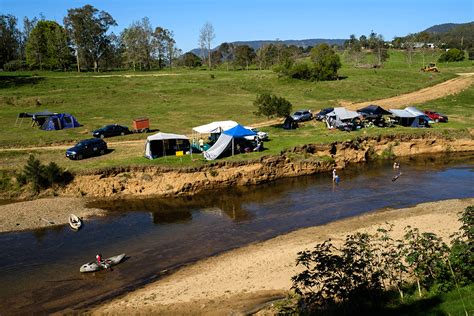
x,y
39,270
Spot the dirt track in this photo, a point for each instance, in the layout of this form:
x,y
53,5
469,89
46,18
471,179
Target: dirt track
x,y
453,86
440,90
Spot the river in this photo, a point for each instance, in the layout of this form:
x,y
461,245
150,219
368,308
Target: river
x,y
39,270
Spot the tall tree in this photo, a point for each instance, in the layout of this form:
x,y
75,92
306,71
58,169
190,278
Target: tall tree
x,y
326,62
88,28
206,37
227,53
47,46
9,39
244,56
165,44
28,25
139,43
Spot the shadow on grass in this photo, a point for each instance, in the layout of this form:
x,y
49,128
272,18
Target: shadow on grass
x,y
17,81
426,306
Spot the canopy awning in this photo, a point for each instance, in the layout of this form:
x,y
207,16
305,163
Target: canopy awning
x,y
214,127
239,131
343,113
402,113
165,136
374,110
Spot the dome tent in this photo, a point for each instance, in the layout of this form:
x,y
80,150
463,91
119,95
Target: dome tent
x,y
59,121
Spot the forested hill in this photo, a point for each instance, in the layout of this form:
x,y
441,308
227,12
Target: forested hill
x,y
300,43
444,28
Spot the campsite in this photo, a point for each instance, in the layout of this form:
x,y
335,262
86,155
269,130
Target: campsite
x,y
234,174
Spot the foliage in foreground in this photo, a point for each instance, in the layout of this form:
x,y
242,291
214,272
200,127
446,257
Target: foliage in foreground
x,y
367,269
41,176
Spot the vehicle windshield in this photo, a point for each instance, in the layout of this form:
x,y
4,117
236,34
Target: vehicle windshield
x,y
298,113
80,144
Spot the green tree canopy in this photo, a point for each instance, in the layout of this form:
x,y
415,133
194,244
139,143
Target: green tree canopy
x,y
88,28
47,46
326,63
272,106
452,55
9,39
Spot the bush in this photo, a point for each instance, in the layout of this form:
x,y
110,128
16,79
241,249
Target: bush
x,y
270,105
42,177
461,258
452,55
15,65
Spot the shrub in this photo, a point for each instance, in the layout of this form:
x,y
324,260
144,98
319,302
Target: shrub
x,y
15,65
461,258
270,105
452,55
42,177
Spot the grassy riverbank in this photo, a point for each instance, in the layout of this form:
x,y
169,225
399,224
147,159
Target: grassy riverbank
x,y
177,101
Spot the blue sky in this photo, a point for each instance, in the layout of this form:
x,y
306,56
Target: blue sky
x,y
263,19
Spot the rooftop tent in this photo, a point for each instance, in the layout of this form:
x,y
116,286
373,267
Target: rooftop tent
x,y
214,127
373,110
59,121
162,144
407,118
339,115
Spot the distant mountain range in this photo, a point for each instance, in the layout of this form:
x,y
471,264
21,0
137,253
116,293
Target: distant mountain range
x,y
439,29
301,43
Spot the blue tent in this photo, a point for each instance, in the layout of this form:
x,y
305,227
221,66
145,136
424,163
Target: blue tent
x,y
60,121
239,131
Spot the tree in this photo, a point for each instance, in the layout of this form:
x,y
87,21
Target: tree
x,y
165,46
227,52
9,39
190,60
88,28
139,43
326,63
244,55
206,37
270,105
354,50
451,55
377,44
28,26
47,46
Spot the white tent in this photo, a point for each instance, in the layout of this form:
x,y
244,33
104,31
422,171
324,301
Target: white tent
x,y
214,127
153,142
409,118
338,115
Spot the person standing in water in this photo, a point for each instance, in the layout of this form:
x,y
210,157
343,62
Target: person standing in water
x,y
335,177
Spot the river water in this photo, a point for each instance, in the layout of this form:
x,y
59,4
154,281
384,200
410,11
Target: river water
x,y
39,270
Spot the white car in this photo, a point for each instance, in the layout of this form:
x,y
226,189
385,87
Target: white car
x,y
260,135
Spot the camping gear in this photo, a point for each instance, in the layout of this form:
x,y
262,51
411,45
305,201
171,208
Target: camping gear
x,y
141,125
226,139
165,144
408,118
75,222
341,118
107,263
59,121
37,118
290,123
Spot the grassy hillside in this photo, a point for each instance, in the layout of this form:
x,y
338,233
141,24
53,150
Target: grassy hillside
x,y
177,101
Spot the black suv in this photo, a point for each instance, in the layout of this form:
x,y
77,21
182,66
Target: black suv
x,y
111,130
87,148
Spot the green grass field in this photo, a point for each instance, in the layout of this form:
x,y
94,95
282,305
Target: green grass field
x,y
176,101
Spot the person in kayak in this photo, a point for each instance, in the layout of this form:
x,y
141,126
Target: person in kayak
x,y
99,259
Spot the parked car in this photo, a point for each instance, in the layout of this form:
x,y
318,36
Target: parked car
x,y
322,114
87,148
437,117
302,115
262,136
111,130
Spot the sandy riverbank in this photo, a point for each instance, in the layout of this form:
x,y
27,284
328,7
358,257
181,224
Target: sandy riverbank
x,y
43,213
238,280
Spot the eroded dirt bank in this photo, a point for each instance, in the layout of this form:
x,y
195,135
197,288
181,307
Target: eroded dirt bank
x,y
304,160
